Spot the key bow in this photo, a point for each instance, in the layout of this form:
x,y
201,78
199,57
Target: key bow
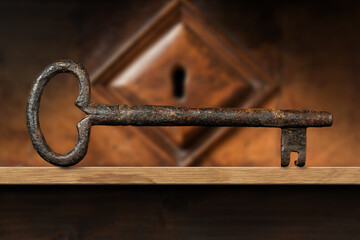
x,y
82,101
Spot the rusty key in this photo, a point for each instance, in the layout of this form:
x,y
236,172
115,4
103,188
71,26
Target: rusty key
x,y
293,123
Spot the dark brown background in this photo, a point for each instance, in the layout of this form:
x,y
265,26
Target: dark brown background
x,y
311,48
179,212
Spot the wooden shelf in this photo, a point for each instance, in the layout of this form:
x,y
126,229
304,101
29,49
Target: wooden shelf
x,y
179,175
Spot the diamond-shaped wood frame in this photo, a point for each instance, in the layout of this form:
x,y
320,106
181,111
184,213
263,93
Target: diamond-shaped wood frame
x,y
182,11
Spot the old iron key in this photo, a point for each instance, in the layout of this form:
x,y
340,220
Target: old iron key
x,y
293,123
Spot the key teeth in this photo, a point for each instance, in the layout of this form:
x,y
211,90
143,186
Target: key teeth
x,y
300,162
293,140
283,164
285,158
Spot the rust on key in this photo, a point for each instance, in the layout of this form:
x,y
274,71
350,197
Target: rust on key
x,y
292,122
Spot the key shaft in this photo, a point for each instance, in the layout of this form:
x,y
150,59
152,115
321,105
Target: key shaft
x,y
150,115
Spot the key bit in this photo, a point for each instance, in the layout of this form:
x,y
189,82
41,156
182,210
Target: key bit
x,y
293,123
293,140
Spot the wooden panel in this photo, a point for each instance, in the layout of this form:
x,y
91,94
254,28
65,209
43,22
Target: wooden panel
x,y
179,212
178,38
165,175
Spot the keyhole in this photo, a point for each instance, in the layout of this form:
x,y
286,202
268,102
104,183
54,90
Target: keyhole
x,y
178,78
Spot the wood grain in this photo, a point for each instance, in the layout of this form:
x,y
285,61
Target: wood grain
x,y
78,212
179,175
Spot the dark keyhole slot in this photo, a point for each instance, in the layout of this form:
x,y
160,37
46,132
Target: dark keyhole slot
x,y
178,78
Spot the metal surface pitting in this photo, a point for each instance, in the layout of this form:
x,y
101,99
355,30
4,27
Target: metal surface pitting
x,y
293,123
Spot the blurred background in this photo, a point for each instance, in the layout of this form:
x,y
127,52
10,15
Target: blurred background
x,y
273,54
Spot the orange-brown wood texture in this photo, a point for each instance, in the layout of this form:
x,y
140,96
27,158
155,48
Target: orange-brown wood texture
x,y
309,51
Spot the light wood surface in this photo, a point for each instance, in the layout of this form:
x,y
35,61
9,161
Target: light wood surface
x,y
179,175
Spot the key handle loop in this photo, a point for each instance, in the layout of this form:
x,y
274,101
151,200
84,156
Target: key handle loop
x,y
82,101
